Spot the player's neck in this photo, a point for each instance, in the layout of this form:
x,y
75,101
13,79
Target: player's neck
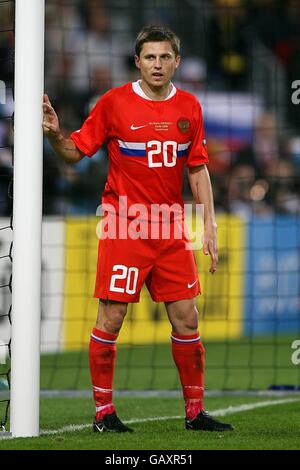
x,y
156,93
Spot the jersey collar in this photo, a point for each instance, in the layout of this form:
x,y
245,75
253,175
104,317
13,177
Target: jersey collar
x,y
136,86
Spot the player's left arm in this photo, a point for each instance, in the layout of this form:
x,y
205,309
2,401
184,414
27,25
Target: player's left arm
x,y
202,191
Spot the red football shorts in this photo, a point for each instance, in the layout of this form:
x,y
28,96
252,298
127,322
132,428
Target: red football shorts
x,y
166,266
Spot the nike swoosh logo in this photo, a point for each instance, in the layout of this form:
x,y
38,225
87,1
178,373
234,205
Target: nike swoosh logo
x,y
191,285
134,128
100,428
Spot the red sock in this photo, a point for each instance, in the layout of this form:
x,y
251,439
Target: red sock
x,y
188,354
102,356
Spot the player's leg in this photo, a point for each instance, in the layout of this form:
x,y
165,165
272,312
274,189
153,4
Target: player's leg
x,y
188,353
102,356
178,289
123,265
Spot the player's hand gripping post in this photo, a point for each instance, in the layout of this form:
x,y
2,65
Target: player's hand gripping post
x,y
50,120
64,148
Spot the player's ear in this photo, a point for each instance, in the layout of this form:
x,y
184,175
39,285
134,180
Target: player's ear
x,y
177,61
137,61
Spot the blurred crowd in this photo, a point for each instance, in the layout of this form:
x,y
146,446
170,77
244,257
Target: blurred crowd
x,y
89,49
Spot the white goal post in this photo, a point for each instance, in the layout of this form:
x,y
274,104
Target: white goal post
x,y
27,217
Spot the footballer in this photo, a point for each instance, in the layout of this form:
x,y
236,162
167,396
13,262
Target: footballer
x,y
152,130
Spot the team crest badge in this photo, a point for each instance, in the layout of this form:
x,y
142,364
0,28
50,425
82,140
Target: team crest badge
x,y
183,125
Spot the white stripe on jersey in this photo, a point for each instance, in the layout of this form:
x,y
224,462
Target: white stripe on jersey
x,y
132,145
142,145
184,146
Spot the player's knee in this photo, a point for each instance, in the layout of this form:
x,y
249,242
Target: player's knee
x,y
113,322
191,319
111,317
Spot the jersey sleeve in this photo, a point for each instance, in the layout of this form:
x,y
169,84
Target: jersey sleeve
x,y
94,130
197,154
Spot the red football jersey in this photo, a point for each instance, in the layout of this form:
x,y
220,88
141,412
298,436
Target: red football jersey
x,y
148,142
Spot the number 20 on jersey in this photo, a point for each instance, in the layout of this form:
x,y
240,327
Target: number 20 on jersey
x,y
155,147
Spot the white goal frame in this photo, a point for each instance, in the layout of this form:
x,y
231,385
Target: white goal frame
x,y
27,217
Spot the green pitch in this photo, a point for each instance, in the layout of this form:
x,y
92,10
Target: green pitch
x,y
267,427
236,365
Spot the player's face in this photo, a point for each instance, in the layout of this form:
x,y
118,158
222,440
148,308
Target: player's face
x,y
157,63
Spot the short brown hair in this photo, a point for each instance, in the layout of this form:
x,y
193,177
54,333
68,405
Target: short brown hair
x,y
157,33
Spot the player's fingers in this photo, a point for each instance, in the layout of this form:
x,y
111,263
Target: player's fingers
x,y
214,256
48,108
46,98
47,126
213,266
205,247
46,111
47,115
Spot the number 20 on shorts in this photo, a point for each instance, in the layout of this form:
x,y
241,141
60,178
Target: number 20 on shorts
x,y
127,274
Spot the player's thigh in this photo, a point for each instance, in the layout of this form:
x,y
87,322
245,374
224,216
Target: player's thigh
x,y
174,275
122,268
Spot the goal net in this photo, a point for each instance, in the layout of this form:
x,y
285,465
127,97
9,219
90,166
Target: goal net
x,y
249,310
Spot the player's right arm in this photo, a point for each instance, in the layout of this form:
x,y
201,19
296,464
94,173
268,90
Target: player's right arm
x,y
63,147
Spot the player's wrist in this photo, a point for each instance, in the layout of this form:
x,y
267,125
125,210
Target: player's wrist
x,y
56,137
